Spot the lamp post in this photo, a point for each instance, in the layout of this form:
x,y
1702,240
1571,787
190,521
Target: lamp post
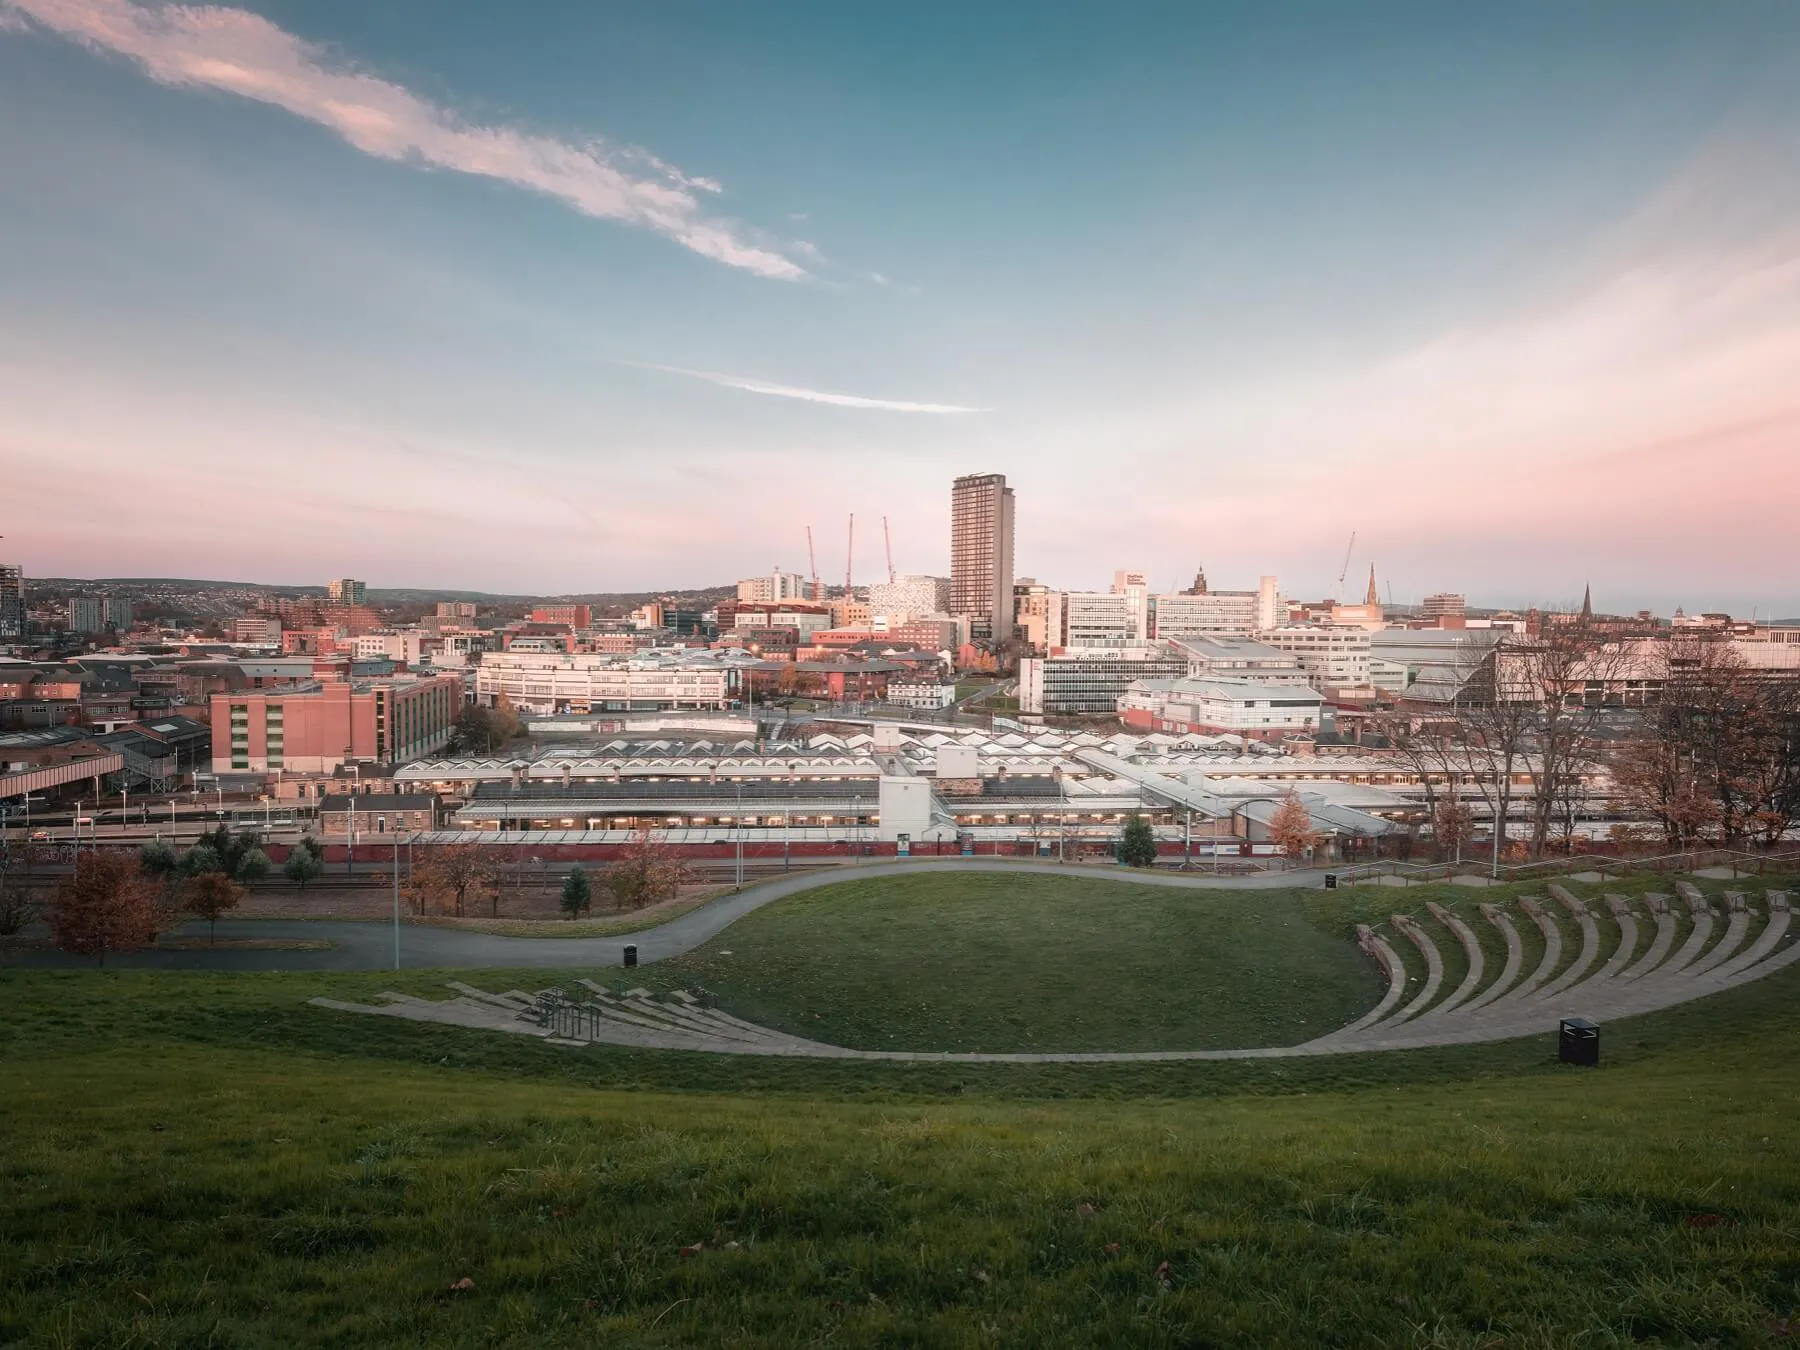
x,y
740,834
397,895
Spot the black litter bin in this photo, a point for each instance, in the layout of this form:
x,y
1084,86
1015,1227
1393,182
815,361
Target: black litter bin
x,y
1331,881
631,953
1579,1041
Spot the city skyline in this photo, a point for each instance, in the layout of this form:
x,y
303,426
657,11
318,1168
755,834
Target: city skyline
x,y
1516,296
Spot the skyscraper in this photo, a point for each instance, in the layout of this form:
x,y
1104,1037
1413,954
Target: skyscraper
x,y
12,601
981,552
345,591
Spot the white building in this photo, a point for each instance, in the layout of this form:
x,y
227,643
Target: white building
x,y
1088,682
548,682
1264,712
1221,613
924,694
909,597
1239,659
1333,658
772,589
402,646
1103,619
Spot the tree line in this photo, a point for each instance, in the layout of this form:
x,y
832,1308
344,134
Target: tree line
x,y
1678,732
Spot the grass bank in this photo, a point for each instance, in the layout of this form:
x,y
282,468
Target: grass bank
x,y
969,961
202,1159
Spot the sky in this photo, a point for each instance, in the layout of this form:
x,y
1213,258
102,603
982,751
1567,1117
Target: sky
x,y
569,297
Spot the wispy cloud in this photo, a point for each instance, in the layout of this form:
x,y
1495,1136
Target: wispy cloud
x,y
750,386
244,54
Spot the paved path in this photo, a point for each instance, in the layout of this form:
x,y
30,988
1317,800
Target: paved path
x,y
370,946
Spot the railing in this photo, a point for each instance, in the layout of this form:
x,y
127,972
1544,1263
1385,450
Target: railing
x,y
1757,864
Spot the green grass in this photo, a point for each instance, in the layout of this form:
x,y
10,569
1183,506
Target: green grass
x,y
204,1160
207,1160
1033,962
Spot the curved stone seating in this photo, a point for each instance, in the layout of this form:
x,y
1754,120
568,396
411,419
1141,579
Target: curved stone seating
x,y
1660,944
1472,955
1434,969
1606,979
1515,958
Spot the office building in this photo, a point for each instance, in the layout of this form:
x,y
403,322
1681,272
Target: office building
x,y
314,728
773,588
345,591
12,601
1089,683
1247,708
1103,619
1333,658
981,553
1211,613
548,682
1268,604
1444,605
256,628
1238,659
567,616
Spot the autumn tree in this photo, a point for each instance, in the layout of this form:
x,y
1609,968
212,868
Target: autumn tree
x,y
1452,826
209,895
1292,829
1718,755
647,872
1137,842
448,873
106,905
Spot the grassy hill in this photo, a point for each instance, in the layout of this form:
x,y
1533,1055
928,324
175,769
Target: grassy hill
x,y
1032,962
207,1160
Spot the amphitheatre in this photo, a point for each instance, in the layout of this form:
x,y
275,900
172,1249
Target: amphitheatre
x,y
1616,956
953,1102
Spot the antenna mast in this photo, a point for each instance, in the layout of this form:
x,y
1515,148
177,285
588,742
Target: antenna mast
x,y
849,555
812,562
888,540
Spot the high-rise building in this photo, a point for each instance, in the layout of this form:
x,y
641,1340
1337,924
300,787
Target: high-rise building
x,y
12,600
118,613
1268,604
1445,605
981,552
345,591
455,609
773,588
87,614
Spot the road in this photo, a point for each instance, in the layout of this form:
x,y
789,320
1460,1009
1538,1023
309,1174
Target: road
x,y
370,946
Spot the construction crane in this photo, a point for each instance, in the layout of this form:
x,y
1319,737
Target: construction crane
x,y
812,563
849,555
888,540
1344,571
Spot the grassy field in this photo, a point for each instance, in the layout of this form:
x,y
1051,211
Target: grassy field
x,y
1033,962
203,1160
207,1160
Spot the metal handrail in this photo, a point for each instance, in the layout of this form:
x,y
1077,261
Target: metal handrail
x,y
1584,862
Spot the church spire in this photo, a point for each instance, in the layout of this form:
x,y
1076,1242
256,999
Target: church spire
x,y
1587,601
1374,597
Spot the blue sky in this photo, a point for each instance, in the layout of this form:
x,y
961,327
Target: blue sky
x,y
578,297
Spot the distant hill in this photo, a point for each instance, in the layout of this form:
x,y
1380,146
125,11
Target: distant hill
x,y
377,595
